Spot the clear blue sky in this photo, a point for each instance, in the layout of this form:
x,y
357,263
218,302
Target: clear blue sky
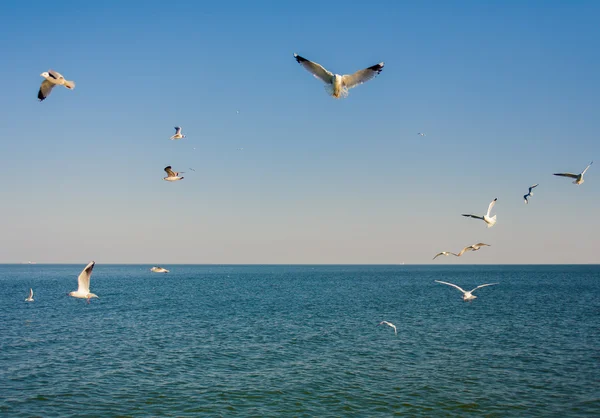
x,y
506,91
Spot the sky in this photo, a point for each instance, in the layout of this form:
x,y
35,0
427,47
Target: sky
x,y
506,92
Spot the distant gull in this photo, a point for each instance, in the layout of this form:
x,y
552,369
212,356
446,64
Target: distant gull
x,y
171,175
490,221
158,269
421,134
530,193
30,298
467,296
473,247
240,149
389,324
178,134
53,78
338,85
445,253
578,177
83,289
192,169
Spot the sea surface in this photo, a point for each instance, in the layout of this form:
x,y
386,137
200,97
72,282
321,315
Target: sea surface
x,y
300,341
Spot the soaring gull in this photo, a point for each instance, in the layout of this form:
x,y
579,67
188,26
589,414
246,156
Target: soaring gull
x,y
30,298
473,247
83,289
445,253
53,78
490,221
171,175
530,193
158,269
338,85
467,296
178,134
578,177
389,324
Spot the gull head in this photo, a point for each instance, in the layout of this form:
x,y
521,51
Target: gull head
x,y
45,74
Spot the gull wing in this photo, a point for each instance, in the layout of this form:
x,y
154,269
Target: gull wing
x,y
483,285
437,255
525,198
315,69
362,76
491,206
450,284
30,293
472,216
481,244
45,90
534,186
55,74
587,168
170,172
84,278
573,176
177,130
469,248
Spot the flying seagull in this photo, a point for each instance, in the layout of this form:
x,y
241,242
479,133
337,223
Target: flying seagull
x,y
30,298
157,269
83,289
389,324
473,247
445,253
490,221
53,78
172,175
467,296
178,134
530,193
338,85
421,134
578,177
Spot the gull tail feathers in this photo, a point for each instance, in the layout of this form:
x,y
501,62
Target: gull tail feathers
x,y
69,84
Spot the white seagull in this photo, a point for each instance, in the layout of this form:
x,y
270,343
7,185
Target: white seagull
x,y
578,177
490,221
473,247
178,134
529,193
421,134
157,269
338,85
389,324
172,175
30,298
467,296
445,253
53,78
83,289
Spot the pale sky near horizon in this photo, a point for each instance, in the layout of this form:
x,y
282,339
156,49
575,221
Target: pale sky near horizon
x,y
506,92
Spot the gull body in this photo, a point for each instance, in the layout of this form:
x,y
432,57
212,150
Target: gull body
x,y
335,84
30,298
467,295
529,193
158,269
473,247
445,253
171,175
578,177
389,324
489,220
52,78
178,134
83,281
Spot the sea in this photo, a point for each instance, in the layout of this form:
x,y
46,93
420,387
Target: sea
x,y
300,341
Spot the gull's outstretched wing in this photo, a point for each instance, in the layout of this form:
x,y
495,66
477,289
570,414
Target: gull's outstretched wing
x,y
472,216
573,176
587,168
177,130
362,76
445,253
30,293
437,255
469,248
315,69
170,172
491,206
84,278
483,285
450,284
45,90
533,187
525,198
55,74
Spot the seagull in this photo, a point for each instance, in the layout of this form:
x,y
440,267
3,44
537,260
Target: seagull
x,y
30,298
171,175
578,177
421,134
192,169
83,290
490,221
159,270
467,296
530,193
473,247
389,324
240,149
178,134
445,253
53,78
337,85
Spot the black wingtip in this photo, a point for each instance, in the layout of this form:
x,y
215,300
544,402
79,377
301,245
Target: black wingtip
x,y
40,95
376,67
299,59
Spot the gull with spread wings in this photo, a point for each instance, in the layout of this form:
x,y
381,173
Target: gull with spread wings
x,y
30,298
83,289
467,296
578,177
53,78
178,134
389,324
338,85
444,253
489,220
473,247
172,175
529,193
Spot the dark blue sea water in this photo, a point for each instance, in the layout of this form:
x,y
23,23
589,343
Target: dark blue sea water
x,y
270,341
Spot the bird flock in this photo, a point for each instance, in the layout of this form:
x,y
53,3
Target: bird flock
x,y
337,86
